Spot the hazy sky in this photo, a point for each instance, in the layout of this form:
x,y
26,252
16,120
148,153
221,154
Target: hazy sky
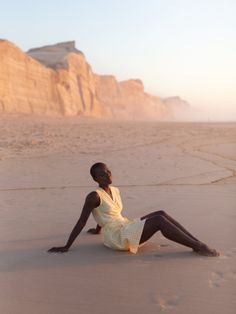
x,y
177,47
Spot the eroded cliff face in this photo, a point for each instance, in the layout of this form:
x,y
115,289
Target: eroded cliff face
x,y
58,80
65,88
127,99
25,85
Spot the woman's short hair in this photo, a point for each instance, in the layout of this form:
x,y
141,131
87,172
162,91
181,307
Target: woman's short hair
x,y
95,167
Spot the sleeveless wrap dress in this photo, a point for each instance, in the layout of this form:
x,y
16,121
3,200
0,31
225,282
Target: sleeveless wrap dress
x,y
118,232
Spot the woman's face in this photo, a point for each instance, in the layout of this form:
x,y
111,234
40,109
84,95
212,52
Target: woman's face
x,y
103,175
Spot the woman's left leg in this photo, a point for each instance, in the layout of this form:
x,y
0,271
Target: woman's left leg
x,y
176,223
172,232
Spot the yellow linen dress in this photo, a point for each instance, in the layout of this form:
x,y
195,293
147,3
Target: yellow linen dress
x,y
118,232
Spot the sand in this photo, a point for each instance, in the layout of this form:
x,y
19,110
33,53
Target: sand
x,y
187,169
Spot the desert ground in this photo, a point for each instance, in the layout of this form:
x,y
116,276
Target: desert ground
x,y
186,169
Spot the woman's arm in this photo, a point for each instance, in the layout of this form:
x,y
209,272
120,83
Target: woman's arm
x,y
92,201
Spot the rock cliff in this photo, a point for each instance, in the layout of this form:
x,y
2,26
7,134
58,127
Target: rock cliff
x,y
58,80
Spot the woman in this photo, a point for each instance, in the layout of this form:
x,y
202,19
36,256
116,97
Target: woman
x,y
121,233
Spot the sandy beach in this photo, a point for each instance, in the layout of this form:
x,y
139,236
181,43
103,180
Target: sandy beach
x,y
187,169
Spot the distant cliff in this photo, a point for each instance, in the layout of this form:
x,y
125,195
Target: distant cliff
x,y
57,80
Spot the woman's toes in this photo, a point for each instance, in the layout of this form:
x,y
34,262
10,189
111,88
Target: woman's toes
x,y
206,251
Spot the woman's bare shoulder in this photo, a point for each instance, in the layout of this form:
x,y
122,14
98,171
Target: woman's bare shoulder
x,y
93,197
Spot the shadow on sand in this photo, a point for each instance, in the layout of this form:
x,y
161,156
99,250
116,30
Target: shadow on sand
x,y
93,252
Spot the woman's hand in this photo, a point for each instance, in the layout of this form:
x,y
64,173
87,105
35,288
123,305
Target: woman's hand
x,y
59,249
93,231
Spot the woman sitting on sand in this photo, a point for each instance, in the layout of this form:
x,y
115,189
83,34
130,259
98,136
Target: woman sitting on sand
x,y
120,233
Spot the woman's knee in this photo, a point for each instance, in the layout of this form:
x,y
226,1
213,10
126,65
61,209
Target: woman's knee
x,y
159,220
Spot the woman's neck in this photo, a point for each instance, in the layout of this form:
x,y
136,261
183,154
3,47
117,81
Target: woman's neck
x,y
105,187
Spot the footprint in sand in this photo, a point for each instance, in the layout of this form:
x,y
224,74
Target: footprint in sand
x,y
161,246
216,279
164,245
167,303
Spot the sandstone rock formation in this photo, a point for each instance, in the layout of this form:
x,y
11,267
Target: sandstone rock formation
x,y
177,108
58,80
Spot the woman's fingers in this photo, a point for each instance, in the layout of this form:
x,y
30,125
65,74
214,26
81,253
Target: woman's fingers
x,y
92,230
60,249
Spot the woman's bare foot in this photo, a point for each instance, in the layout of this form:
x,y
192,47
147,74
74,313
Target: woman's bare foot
x,y
204,250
